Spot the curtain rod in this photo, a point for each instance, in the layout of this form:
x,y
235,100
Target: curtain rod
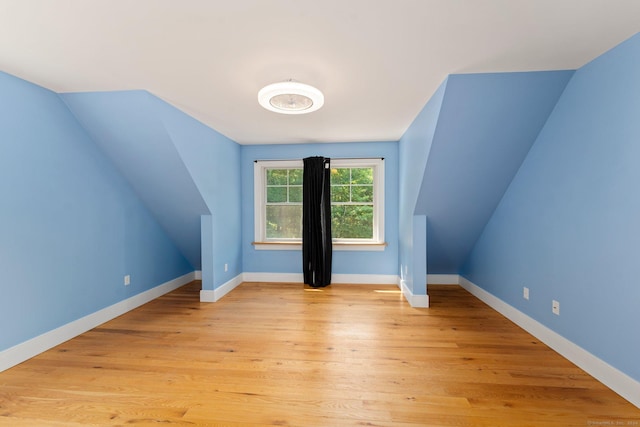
x,y
331,158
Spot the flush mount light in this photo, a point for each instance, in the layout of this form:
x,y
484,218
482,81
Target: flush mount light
x,y
290,98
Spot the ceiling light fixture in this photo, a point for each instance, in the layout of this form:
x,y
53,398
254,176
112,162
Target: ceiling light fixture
x,y
290,98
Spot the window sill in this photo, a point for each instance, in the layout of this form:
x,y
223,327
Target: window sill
x,y
294,246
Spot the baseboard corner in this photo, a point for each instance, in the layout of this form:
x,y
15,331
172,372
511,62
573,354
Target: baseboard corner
x,y
416,301
608,375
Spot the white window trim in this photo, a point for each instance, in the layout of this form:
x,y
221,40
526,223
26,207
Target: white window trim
x,y
259,191
262,243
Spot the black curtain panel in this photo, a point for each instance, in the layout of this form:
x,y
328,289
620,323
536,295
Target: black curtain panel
x,y
316,222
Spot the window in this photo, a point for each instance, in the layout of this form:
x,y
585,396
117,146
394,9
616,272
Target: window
x,y
283,204
357,204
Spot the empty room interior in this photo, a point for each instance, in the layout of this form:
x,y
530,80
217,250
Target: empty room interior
x,y
319,213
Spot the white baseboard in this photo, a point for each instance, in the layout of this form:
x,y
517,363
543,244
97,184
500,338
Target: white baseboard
x,y
207,295
30,348
198,275
365,279
273,277
417,301
616,380
443,279
219,292
373,279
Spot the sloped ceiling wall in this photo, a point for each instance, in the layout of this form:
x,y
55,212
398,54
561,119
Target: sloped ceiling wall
x,y
413,150
567,227
485,129
127,129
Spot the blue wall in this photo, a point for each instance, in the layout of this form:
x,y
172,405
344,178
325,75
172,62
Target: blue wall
x,y
213,161
344,262
486,126
71,226
180,168
414,149
129,129
568,226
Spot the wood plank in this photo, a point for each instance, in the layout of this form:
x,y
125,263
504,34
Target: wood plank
x,y
277,354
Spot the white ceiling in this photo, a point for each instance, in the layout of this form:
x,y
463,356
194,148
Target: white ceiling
x,y
377,61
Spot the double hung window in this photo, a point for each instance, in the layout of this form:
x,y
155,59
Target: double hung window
x,y
357,204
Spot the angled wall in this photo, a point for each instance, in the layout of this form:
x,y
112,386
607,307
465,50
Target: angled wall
x,y
213,162
414,147
567,227
127,127
71,227
185,172
486,126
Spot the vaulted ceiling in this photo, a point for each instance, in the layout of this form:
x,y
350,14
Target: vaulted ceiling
x,y
376,62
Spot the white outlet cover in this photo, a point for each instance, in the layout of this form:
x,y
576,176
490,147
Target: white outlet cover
x,y
525,293
127,280
555,307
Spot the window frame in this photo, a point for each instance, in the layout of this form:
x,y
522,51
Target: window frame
x,y
261,242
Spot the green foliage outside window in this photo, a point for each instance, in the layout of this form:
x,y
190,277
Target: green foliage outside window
x,y
351,222
284,222
284,204
351,203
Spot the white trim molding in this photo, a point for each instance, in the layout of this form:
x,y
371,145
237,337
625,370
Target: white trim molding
x,y
30,348
273,277
616,380
365,279
352,279
207,295
262,242
417,301
443,279
336,246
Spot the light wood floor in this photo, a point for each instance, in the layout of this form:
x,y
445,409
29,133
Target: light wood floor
x,y
275,354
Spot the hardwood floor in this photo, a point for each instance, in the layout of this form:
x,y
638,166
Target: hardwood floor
x,y
275,354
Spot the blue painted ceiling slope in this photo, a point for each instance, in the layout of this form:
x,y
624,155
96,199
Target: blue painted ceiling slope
x,y
127,128
485,129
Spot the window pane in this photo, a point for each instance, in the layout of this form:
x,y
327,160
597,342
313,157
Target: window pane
x,y
362,176
340,176
276,194
362,193
340,193
279,198
295,194
295,177
351,222
284,222
276,176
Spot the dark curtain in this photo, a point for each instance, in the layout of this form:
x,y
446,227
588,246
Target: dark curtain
x,y
316,222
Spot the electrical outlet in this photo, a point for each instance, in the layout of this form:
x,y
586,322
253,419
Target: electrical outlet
x,y
555,307
127,280
226,267
525,293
